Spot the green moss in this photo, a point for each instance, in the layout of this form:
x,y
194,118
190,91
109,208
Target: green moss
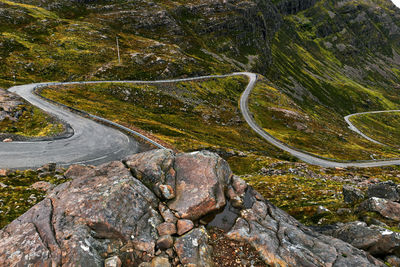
x,y
17,196
32,123
187,115
383,127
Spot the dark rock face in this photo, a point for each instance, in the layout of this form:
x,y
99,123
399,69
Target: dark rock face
x,y
386,190
352,194
107,217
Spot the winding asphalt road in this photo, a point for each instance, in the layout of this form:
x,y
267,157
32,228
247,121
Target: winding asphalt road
x,y
94,143
355,129
91,143
304,156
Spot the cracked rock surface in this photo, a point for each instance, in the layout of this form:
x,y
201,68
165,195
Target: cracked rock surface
x,y
115,215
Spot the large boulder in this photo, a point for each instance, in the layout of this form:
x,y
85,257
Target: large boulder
x,y
387,190
83,220
201,180
386,208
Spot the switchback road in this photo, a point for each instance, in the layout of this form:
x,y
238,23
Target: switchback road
x,y
94,143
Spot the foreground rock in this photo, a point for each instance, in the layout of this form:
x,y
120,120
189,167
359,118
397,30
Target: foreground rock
x,y
106,216
84,220
201,179
283,241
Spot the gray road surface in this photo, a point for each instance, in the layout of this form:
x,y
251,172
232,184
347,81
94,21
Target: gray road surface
x,y
94,143
91,143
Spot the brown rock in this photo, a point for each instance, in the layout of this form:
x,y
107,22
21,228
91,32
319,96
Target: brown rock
x,y
49,167
113,262
201,179
184,226
386,208
4,172
192,248
235,199
166,228
79,219
160,262
165,242
42,186
167,214
153,168
239,185
167,191
75,171
7,140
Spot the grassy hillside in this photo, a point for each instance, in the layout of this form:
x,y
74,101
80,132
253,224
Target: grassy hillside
x,y
331,60
326,59
185,115
383,127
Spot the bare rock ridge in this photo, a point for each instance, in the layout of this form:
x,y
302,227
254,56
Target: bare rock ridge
x,y
152,209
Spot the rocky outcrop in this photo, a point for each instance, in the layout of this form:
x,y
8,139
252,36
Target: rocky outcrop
x,y
83,220
386,208
283,241
107,216
374,239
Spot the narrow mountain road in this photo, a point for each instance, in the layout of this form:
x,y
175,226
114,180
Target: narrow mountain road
x,y
91,143
355,129
306,157
94,143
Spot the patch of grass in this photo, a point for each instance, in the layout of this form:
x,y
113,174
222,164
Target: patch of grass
x,y
17,196
321,131
383,127
299,189
33,122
